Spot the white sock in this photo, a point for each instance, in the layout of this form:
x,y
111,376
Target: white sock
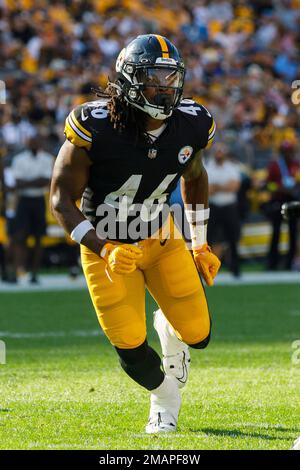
x,y
166,398
170,344
165,388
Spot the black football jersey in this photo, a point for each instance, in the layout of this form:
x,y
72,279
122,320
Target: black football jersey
x,y
131,180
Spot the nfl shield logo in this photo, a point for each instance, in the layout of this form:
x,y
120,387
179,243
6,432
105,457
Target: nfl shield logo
x,y
152,153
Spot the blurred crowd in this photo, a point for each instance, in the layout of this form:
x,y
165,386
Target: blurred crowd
x,y
242,59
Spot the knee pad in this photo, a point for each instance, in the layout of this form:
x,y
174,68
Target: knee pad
x,y
143,365
202,344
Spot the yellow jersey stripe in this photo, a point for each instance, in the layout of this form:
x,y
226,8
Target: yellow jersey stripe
x,y
163,45
80,127
73,137
77,130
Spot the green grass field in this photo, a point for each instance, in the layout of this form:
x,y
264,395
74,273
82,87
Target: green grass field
x,y
62,387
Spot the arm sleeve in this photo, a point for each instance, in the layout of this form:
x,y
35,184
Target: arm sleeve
x,y
77,128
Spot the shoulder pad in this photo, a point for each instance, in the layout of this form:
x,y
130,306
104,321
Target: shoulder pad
x,y
202,116
97,109
80,122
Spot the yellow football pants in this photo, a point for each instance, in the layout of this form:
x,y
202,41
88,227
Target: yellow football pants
x,y
171,277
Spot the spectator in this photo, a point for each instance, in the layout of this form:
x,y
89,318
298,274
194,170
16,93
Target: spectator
x,y
32,171
9,213
3,273
224,184
284,185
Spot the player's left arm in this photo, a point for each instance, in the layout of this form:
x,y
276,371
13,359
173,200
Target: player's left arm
x,y
194,183
195,191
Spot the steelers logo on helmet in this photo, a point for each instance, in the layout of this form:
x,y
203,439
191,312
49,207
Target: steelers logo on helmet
x,y
150,75
120,60
185,154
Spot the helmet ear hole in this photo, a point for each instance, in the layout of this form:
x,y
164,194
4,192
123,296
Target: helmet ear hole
x,y
129,69
132,94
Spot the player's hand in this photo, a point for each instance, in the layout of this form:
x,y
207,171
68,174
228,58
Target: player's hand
x,y
121,259
207,263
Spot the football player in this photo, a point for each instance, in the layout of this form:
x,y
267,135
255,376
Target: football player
x,y
124,155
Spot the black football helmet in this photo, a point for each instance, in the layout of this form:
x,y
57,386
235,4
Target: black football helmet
x,y
150,75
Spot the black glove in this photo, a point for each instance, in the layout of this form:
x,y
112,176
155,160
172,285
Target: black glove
x,y
290,210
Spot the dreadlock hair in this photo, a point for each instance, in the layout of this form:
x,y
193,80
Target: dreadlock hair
x,y
123,116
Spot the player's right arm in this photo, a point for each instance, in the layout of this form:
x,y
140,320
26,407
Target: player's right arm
x,y
69,179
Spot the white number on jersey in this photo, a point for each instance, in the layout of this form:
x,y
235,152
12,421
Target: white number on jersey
x,y
99,113
122,199
192,108
158,194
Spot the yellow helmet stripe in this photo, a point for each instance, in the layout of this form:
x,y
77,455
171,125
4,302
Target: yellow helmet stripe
x,y
212,130
163,45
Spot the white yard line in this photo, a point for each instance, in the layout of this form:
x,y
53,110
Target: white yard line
x,y
48,282
63,282
51,334
254,278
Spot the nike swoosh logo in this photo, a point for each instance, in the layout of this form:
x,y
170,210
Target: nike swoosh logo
x,y
163,242
184,376
181,378
83,117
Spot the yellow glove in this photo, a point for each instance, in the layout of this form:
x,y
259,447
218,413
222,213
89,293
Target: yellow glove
x,y
207,263
121,259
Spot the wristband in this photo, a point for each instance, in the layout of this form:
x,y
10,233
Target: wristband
x,y
81,230
198,220
198,235
197,216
